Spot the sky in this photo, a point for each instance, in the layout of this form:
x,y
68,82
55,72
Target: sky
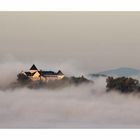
x,y
89,41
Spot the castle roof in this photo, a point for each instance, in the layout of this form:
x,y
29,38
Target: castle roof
x,y
33,67
44,73
29,73
60,72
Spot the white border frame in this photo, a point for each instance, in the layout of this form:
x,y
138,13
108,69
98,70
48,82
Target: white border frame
x,y
69,5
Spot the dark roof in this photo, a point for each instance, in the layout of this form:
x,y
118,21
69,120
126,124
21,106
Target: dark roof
x,y
33,67
60,72
44,73
29,73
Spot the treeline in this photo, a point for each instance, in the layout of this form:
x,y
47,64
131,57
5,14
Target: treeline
x,y
123,84
24,81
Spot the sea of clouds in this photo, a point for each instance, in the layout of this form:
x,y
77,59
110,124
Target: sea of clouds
x,y
85,106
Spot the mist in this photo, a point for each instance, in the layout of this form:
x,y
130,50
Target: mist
x,y
85,106
91,40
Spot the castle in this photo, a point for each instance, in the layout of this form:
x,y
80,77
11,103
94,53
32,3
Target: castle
x,y
35,75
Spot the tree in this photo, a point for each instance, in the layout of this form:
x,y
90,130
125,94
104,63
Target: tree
x,y
122,84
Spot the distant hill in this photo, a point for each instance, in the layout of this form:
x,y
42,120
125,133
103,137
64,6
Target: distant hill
x,y
127,72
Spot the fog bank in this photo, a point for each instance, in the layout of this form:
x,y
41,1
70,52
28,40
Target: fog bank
x,y
73,107
85,106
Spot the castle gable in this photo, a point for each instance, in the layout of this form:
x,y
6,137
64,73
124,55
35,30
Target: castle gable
x,y
60,72
33,67
29,73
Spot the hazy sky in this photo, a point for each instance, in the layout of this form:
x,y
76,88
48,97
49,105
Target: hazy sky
x,y
92,41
